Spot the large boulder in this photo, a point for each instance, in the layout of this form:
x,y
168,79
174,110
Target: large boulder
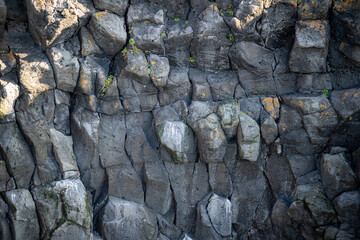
x,y
248,137
254,65
122,219
51,23
310,49
337,175
22,215
109,31
210,46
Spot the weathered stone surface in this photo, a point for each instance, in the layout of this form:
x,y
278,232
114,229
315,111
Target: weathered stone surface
x,y
210,45
88,44
282,220
169,230
125,183
7,62
62,206
229,112
347,205
346,21
159,70
248,138
243,24
211,139
220,213
22,214
337,175
148,36
142,12
51,23
309,10
6,182
65,66
118,6
179,140
219,179
127,220
9,92
109,31
222,85
269,129
351,52
308,83
35,71
185,180
251,106
177,43
158,193
346,102
177,88
255,70
177,8
85,130
5,232
310,48
272,106
301,164
17,154
64,154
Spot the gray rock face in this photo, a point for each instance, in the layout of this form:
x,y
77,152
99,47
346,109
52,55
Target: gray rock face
x,y
269,129
248,137
210,46
9,93
22,214
159,70
118,6
50,27
145,12
229,113
66,67
310,48
109,31
254,70
88,44
147,35
222,85
345,102
63,207
158,193
337,175
5,228
220,214
219,179
127,220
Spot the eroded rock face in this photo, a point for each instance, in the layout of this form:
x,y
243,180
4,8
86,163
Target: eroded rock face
x,y
184,119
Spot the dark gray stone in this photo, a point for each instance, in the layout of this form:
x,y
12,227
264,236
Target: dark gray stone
x,y
65,66
177,88
210,46
248,138
347,206
142,12
9,92
88,44
147,36
251,106
220,214
109,31
158,193
229,112
255,70
311,47
301,164
169,230
22,214
6,182
159,70
118,6
122,219
269,128
220,180
125,183
222,85
337,175
308,10
176,8
5,232
346,102
308,83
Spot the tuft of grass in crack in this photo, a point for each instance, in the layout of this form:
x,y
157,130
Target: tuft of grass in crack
x,y
108,82
326,92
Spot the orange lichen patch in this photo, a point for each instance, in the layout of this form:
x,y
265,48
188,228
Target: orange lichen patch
x,y
203,94
282,126
116,105
327,115
218,132
301,103
316,25
347,5
356,94
324,106
346,94
101,14
342,45
89,42
272,106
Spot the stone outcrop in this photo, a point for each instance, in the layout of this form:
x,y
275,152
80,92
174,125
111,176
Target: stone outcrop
x,y
179,120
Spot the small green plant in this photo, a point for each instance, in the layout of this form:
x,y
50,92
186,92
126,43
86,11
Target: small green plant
x,y
176,19
187,22
231,37
298,2
163,35
132,41
124,51
108,82
192,59
165,10
326,92
229,11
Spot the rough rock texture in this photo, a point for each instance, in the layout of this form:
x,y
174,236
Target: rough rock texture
x,y
179,120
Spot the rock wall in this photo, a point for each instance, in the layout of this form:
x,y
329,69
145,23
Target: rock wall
x,y
182,119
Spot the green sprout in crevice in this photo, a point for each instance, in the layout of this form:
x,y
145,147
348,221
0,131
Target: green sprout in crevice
x,y
177,19
326,92
132,41
229,11
163,35
108,83
298,2
124,51
148,68
187,22
231,37
192,60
